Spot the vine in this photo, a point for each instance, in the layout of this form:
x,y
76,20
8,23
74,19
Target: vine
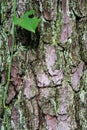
x,y
29,23
6,109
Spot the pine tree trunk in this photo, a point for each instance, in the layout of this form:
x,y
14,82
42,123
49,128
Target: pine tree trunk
x,y
48,79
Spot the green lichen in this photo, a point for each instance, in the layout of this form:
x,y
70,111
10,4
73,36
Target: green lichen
x,y
54,101
82,28
81,104
82,96
56,30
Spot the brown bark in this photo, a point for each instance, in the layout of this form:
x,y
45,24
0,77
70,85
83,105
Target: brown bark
x,y
48,83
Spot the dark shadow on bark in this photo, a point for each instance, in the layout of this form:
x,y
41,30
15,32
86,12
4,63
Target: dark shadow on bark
x,y
28,39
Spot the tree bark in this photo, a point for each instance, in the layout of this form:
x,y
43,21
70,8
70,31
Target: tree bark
x,y
48,79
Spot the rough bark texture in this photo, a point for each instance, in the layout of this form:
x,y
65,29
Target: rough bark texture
x,y
48,87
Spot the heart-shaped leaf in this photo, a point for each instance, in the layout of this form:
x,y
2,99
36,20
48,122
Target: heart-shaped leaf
x,y
26,21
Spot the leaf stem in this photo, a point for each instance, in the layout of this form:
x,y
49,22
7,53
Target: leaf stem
x,y
6,118
11,57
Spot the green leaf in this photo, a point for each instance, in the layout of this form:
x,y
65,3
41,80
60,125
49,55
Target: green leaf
x,y
27,22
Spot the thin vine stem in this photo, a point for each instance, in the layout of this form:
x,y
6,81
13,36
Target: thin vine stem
x,y
11,57
6,118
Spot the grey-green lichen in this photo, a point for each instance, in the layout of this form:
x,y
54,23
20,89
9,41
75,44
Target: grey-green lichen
x,y
4,57
56,27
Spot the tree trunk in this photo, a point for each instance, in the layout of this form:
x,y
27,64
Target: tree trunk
x,y
48,78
